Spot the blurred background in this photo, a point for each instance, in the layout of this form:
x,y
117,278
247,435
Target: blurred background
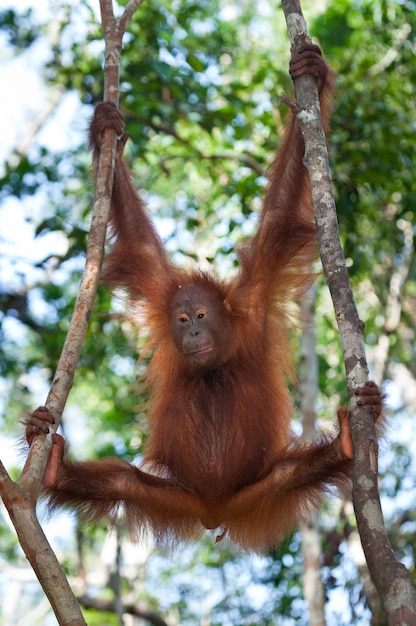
x,y
200,86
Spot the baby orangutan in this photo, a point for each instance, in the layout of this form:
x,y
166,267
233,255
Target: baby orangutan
x,y
221,453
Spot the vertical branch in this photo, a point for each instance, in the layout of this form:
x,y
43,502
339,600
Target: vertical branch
x,y
393,581
313,588
20,498
21,506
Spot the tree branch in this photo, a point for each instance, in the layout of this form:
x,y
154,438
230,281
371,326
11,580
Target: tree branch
x,y
20,498
394,583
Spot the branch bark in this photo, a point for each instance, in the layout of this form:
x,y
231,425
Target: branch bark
x,y
393,582
20,498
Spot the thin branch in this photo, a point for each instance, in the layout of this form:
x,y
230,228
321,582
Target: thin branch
x,y
394,303
128,13
400,37
34,125
394,583
313,588
20,498
20,505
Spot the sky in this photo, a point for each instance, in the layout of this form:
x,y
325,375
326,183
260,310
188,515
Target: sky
x,y
25,100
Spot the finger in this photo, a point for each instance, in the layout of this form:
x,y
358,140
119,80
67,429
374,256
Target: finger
x,y
345,432
39,422
343,415
369,392
121,143
31,431
38,426
365,400
306,56
314,67
42,414
54,461
374,401
312,63
370,396
108,116
310,47
369,388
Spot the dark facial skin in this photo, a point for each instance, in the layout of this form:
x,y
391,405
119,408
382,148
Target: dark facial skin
x,y
201,327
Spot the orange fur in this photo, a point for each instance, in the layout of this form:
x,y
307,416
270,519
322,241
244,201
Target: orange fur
x,y
219,451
